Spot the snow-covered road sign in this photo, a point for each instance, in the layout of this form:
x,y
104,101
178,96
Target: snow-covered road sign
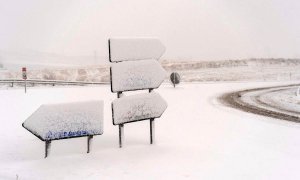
x,y
175,78
129,49
135,67
136,75
69,120
138,107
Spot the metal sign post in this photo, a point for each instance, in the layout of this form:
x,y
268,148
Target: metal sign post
x,y
24,76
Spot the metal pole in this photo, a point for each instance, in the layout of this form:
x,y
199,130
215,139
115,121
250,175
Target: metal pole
x,y
25,85
89,141
120,94
152,131
121,135
121,126
47,148
174,80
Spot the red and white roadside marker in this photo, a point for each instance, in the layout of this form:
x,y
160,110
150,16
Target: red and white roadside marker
x,y
24,76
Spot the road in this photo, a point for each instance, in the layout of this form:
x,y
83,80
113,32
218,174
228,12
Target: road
x,y
255,101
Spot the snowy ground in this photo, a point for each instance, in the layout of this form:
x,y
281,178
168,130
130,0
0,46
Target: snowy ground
x,y
284,99
278,99
196,138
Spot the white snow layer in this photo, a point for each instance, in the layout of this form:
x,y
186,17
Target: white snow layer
x,y
138,107
57,121
127,49
135,75
285,99
280,99
195,138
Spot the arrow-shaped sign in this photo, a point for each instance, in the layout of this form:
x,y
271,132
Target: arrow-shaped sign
x,y
136,69
136,75
128,49
59,121
138,107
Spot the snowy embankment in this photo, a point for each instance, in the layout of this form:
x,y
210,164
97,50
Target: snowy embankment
x,y
279,102
284,99
196,138
189,71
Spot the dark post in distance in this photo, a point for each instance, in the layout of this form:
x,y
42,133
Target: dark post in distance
x,y
175,78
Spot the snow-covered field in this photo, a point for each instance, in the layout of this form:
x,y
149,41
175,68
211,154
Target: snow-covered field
x,y
189,71
196,138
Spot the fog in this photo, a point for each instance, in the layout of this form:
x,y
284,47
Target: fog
x,y
190,29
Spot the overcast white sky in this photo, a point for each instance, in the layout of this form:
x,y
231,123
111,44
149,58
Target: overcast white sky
x,y
190,29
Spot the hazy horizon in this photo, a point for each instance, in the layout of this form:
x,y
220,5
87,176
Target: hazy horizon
x,y
190,29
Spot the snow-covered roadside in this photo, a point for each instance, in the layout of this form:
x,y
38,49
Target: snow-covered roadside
x,y
277,99
197,138
285,99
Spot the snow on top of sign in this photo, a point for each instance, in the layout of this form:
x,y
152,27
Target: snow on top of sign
x,y
56,121
127,49
138,107
135,75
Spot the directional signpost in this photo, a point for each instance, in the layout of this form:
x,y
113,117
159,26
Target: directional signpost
x,y
24,76
136,75
69,120
130,49
138,107
135,67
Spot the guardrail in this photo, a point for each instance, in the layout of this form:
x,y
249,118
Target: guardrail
x,y
51,82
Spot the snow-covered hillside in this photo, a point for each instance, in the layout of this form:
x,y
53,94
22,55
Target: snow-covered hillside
x,y
229,70
88,74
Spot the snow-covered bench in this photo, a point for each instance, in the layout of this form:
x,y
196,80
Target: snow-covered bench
x,y
69,120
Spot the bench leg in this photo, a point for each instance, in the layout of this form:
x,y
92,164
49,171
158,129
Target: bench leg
x,y
89,141
121,135
152,130
47,148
